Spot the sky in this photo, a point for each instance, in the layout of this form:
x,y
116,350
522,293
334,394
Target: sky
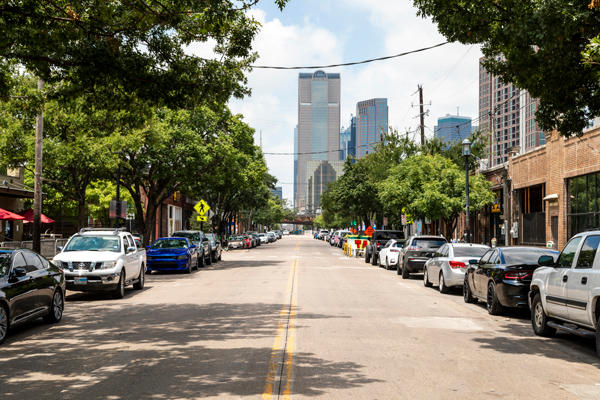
x,y
313,32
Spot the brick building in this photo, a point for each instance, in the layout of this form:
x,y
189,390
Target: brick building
x,y
555,189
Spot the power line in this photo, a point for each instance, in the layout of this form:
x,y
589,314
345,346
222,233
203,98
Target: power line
x,y
370,60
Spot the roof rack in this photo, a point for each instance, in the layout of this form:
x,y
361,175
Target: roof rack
x,y
114,230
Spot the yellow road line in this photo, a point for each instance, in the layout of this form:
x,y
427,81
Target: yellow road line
x,y
285,337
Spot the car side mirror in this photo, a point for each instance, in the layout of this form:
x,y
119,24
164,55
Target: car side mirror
x,y
546,261
19,272
59,248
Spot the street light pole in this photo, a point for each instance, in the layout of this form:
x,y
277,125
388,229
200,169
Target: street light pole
x,y
466,148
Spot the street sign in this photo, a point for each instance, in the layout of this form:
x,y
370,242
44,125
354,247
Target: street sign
x,y
201,207
201,218
369,231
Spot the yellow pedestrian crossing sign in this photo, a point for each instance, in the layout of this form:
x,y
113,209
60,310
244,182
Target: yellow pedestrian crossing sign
x,y
202,208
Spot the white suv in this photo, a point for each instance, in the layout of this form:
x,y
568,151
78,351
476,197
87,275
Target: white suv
x,y
102,260
564,293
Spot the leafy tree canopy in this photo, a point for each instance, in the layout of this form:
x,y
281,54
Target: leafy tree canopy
x,y
537,45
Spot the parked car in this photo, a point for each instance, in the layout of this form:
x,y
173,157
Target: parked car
x,y
279,234
448,266
272,237
256,238
338,240
285,232
199,239
502,276
322,233
30,287
264,238
236,242
215,247
389,253
378,239
102,259
172,254
415,253
565,291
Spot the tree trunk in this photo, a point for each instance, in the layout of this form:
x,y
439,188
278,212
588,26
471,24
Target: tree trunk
x,y
81,214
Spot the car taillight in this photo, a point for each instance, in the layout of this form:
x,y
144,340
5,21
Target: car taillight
x,y
457,264
413,248
395,250
517,275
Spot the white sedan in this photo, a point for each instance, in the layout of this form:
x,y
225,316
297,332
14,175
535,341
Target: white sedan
x,y
388,255
448,265
263,238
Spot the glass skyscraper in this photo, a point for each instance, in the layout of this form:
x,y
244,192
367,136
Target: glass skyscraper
x,y
348,140
453,128
371,124
318,135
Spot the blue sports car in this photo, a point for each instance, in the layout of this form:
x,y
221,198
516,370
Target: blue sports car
x,y
172,254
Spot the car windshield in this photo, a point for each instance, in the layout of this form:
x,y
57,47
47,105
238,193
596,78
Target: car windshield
x,y
170,244
470,251
387,235
94,243
428,243
4,263
398,244
525,256
189,235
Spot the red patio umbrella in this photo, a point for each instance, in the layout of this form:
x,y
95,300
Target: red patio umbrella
x,y
28,217
9,216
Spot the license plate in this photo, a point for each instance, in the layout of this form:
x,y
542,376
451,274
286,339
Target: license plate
x,y
80,280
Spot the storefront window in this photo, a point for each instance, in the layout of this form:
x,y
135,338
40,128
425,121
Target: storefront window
x,y
583,203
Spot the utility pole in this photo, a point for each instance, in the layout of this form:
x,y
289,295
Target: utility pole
x,y
422,115
37,183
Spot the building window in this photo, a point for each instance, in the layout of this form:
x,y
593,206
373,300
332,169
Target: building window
x,y
583,212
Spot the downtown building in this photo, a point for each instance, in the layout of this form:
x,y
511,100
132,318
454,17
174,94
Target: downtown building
x,y
371,124
317,145
451,129
348,140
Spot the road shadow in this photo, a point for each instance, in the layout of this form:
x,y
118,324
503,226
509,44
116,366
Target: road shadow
x,y
160,351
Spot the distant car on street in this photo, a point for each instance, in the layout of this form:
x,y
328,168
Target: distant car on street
x,y
389,253
378,239
172,254
447,267
236,242
285,232
199,239
264,238
415,253
215,247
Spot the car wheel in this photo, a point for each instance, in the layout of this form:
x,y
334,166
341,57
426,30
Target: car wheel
x,y
493,304
467,295
405,273
213,257
367,257
57,306
201,261
209,260
442,284
387,263
399,268
374,259
139,285
119,292
539,319
4,324
426,281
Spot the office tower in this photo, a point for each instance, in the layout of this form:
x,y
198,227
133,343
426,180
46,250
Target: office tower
x,y
318,137
295,163
371,124
507,113
277,192
452,128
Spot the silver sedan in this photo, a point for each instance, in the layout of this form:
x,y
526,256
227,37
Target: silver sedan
x,y
448,266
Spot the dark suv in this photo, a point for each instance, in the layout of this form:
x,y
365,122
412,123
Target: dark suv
x,y
417,250
378,240
201,241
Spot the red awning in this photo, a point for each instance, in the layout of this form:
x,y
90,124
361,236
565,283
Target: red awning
x,y
9,216
28,216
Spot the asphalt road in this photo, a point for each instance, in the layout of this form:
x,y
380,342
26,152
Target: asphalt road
x,y
293,319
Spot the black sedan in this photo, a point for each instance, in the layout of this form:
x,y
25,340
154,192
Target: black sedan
x,y
502,276
30,287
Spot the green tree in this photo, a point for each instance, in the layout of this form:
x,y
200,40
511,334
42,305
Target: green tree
x,y
537,45
433,187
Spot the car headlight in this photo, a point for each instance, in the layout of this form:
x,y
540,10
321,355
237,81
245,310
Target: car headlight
x,y
108,264
182,257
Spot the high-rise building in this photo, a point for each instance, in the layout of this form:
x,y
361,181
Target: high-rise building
x,y
371,124
507,113
277,192
344,142
453,128
318,134
295,163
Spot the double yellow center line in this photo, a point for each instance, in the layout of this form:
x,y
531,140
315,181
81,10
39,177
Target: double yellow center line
x,y
279,375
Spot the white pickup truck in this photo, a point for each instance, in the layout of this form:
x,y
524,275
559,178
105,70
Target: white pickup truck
x,y
564,293
102,260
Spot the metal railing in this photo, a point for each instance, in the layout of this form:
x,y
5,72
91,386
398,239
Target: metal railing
x,y
48,246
